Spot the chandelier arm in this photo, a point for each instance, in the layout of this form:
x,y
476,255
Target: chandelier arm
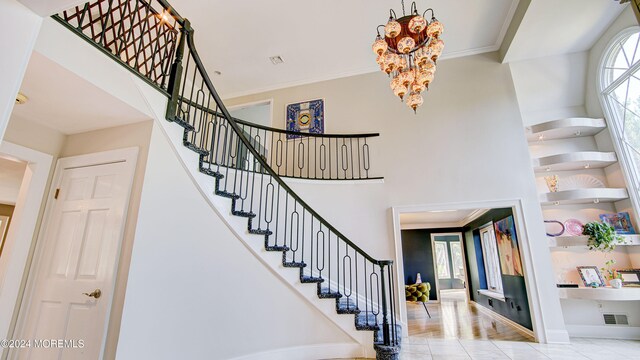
x,y
414,8
392,14
433,15
378,30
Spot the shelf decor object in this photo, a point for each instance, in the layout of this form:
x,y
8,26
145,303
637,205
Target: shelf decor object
x,y
556,233
573,227
581,181
591,276
552,182
621,222
408,52
602,236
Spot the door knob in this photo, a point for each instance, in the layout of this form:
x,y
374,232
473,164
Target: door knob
x,y
94,294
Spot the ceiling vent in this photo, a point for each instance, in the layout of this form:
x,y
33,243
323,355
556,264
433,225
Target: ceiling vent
x,y
21,99
276,59
615,319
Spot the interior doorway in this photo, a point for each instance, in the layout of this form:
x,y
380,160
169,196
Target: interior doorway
x,y
449,263
72,278
444,250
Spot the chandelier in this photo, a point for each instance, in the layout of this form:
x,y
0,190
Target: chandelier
x,y
408,52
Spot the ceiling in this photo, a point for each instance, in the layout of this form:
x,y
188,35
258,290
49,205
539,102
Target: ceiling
x,y
439,219
11,174
61,100
552,27
321,40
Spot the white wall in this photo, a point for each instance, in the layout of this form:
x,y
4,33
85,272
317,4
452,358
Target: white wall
x,y
466,144
564,86
19,27
194,288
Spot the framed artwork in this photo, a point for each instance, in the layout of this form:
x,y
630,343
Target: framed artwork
x,y
591,275
508,250
305,117
630,276
620,222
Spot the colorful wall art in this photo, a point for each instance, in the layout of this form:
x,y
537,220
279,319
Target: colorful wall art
x,y
305,117
508,250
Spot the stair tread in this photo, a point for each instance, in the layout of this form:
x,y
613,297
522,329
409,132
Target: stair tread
x,y
260,231
210,172
277,248
292,264
195,148
227,194
247,214
346,306
366,321
311,279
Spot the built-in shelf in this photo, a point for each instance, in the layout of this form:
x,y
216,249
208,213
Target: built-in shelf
x,y
566,128
604,294
565,241
583,196
574,161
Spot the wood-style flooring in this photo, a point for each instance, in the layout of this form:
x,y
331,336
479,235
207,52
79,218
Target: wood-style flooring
x,y
453,318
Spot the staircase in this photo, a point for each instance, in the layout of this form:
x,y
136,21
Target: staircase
x,y
248,162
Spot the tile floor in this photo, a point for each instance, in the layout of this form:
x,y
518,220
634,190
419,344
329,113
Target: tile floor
x,y
579,349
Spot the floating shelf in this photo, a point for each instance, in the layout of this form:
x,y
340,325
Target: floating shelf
x,y
566,241
575,161
583,196
566,128
606,293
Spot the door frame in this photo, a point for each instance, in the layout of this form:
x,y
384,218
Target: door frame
x,y
21,234
127,155
464,263
524,237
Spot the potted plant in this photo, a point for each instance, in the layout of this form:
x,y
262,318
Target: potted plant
x,y
614,277
602,236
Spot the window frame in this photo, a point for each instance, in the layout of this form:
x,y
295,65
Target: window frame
x,y
491,256
625,158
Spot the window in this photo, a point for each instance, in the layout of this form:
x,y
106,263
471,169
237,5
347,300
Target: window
x,y
456,259
491,261
619,87
442,260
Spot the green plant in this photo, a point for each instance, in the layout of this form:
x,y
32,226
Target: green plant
x,y
610,273
602,236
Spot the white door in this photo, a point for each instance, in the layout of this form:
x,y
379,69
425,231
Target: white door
x,y
77,261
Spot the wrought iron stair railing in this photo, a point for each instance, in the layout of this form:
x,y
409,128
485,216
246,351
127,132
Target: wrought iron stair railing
x,y
234,154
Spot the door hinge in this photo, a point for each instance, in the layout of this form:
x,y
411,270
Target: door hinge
x,y
57,193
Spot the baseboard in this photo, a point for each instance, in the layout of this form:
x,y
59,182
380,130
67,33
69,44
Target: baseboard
x,y
557,337
604,332
504,319
325,351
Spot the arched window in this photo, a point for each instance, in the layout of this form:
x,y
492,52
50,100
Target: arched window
x,y
619,86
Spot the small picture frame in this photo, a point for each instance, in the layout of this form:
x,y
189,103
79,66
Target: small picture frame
x,y
621,222
630,277
591,275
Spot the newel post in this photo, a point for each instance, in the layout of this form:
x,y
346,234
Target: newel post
x,y
176,72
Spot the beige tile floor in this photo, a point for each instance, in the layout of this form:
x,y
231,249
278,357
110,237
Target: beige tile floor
x,y
579,349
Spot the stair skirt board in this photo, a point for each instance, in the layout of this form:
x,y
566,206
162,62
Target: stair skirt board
x,y
238,226
325,351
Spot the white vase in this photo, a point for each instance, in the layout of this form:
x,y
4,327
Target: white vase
x,y
615,283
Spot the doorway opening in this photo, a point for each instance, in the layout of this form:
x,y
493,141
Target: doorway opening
x,y
467,262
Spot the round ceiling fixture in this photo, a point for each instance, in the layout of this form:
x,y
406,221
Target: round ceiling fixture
x,y
408,52
21,99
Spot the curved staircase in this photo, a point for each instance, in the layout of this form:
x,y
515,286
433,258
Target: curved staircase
x,y
248,162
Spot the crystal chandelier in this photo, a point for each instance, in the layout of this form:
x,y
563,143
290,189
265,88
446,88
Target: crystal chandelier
x,y
408,52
